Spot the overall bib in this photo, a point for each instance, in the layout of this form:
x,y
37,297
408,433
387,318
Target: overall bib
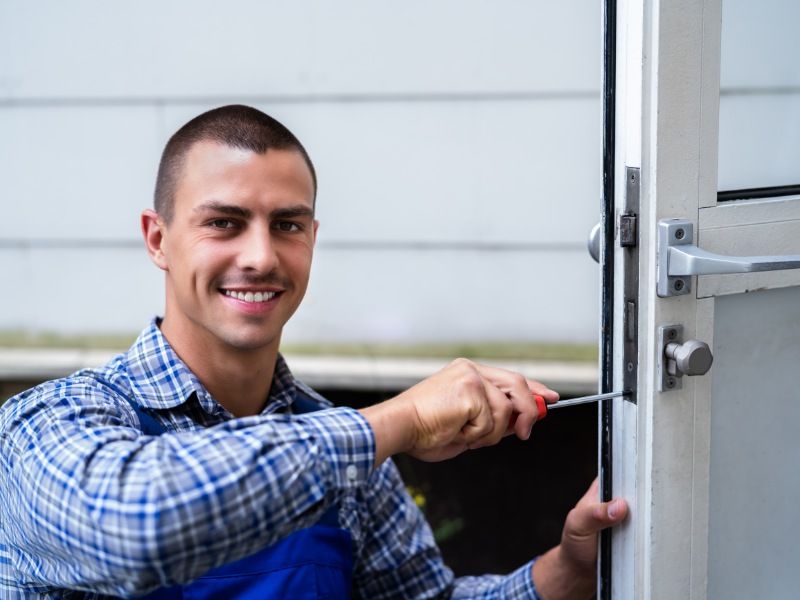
x,y
312,563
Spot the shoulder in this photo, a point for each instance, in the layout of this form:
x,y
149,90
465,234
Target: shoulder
x,y
94,394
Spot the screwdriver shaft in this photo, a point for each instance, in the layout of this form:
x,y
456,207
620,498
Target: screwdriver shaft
x,y
586,400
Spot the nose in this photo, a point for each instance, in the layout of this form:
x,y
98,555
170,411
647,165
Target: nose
x,y
257,252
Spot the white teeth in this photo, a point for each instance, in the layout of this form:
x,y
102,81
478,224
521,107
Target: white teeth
x,y
251,296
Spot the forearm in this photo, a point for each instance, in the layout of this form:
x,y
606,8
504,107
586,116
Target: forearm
x,y
517,585
556,580
134,511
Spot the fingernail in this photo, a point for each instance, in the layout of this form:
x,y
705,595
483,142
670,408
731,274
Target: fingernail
x,y
614,509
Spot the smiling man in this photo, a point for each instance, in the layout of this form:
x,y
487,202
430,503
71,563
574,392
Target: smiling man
x,y
195,465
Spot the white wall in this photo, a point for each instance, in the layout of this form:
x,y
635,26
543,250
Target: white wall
x,y
457,144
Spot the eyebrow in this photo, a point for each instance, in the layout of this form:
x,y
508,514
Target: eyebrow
x,y
235,210
292,212
225,209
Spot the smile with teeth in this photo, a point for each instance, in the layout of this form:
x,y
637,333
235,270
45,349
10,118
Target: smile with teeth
x,y
251,296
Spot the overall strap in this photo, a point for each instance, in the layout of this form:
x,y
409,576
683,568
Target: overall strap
x,y
316,562
147,422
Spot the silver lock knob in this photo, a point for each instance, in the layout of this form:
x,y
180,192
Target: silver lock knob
x,y
689,358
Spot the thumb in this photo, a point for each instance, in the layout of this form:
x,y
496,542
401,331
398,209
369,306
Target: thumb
x,y
589,518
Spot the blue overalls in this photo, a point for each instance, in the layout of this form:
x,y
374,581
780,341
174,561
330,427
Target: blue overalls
x,y
316,562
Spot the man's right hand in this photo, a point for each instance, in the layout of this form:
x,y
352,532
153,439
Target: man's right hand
x,y
465,405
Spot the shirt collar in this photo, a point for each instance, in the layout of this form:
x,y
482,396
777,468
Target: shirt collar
x,y
161,380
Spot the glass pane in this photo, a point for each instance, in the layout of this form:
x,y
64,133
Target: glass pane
x,y
759,120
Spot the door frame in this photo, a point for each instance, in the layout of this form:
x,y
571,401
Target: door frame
x,y
666,123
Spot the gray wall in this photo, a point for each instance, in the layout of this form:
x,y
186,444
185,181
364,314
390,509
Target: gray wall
x,y
457,144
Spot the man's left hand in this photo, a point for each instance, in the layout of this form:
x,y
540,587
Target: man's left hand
x,y
569,571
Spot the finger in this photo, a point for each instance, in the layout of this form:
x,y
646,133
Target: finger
x,y
537,387
518,390
501,409
481,423
525,411
506,380
587,518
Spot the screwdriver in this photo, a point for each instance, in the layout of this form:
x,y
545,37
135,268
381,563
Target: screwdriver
x,y
542,406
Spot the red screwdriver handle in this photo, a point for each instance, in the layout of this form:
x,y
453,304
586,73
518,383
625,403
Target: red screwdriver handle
x,y
541,406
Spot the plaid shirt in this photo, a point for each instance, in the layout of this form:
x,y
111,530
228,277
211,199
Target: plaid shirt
x,y
90,503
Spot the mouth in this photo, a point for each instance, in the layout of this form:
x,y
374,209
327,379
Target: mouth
x,y
251,297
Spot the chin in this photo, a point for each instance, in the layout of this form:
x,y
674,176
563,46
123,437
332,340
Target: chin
x,y
247,342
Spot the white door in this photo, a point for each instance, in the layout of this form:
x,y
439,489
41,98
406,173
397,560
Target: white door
x,y
710,463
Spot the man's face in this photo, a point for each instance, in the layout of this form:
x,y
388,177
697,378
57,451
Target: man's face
x,y
238,249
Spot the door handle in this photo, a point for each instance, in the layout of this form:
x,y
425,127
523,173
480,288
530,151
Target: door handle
x,y
678,259
593,243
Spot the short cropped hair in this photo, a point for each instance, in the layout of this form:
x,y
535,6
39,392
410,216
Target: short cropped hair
x,y
237,126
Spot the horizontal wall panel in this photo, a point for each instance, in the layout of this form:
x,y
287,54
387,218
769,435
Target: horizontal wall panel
x,y
490,172
379,296
440,296
79,291
474,173
76,173
96,49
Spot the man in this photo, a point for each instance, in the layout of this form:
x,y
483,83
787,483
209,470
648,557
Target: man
x,y
195,465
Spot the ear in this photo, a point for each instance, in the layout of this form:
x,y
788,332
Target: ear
x,y
316,227
153,230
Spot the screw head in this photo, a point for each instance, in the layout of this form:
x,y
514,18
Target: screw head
x,y
678,285
670,382
680,234
630,367
672,334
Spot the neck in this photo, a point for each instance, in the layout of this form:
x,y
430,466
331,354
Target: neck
x,y
238,379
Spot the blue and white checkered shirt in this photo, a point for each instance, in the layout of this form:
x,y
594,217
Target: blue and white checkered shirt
x,y
90,503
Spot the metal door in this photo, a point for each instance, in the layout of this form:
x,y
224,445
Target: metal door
x,y
708,462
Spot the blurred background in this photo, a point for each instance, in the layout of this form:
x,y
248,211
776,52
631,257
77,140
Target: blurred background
x,y
458,149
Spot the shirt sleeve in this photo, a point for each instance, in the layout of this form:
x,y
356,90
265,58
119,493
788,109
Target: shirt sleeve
x,y
399,558
89,502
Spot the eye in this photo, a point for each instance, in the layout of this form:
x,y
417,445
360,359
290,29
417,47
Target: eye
x,y
287,226
222,224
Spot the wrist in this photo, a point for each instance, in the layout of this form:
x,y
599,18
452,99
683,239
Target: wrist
x,y
393,426
558,578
